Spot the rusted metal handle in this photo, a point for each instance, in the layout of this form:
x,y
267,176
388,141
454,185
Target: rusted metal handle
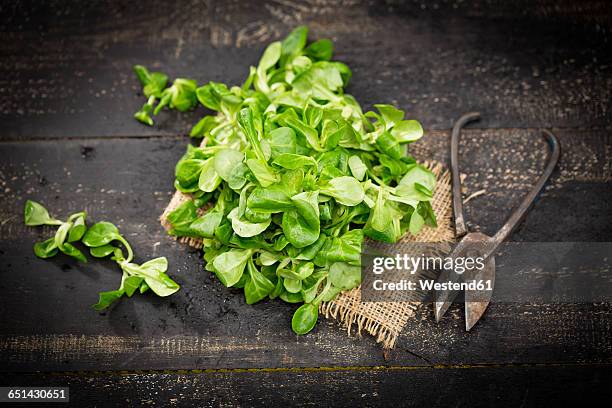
x,y
460,227
518,215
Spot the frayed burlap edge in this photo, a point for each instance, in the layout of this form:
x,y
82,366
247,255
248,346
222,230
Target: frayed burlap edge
x,y
383,320
177,199
386,320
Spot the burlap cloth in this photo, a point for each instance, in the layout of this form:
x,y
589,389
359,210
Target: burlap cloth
x,y
383,320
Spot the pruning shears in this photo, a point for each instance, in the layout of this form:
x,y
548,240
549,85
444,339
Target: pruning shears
x,y
476,244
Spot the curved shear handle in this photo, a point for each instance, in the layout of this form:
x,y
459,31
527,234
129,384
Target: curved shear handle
x,y
518,215
460,227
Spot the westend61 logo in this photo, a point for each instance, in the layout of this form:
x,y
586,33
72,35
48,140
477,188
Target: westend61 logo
x,y
426,267
523,272
411,271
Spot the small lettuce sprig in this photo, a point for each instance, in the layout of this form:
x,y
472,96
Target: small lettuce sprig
x,y
180,96
102,239
71,230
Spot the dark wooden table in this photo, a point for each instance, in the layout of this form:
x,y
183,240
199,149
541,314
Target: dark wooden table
x,y
67,94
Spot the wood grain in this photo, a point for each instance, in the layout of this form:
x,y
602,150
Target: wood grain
x,y
511,386
205,325
65,71
503,164
68,139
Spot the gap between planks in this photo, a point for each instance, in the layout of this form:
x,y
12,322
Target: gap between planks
x,y
98,373
174,136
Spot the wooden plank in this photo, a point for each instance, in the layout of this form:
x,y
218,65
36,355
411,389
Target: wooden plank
x,y
504,163
129,182
205,325
66,71
527,386
46,321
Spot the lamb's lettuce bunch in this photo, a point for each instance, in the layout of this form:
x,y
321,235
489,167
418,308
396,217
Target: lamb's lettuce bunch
x,y
293,175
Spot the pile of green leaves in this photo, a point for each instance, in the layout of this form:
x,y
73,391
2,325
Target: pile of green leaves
x,y
100,239
293,175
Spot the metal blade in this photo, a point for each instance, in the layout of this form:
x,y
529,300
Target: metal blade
x,y
443,299
474,242
476,301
